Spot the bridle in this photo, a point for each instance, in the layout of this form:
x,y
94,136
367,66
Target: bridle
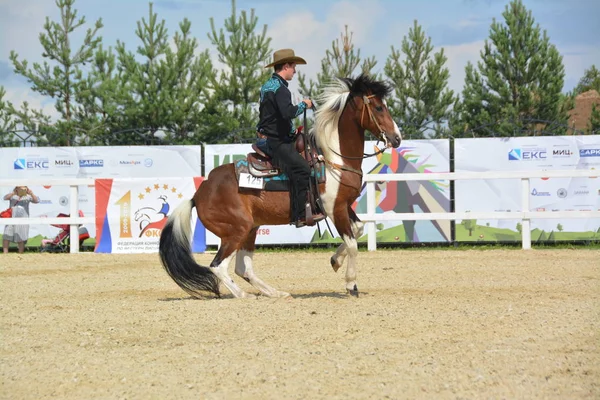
x,y
366,106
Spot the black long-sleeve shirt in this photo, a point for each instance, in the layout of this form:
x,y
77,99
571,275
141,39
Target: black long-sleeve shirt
x,y
277,111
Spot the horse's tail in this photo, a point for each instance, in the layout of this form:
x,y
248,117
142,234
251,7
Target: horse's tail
x,y
176,254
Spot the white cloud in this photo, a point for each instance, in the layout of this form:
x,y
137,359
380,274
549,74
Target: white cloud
x,y
18,95
310,38
16,21
576,60
471,21
458,56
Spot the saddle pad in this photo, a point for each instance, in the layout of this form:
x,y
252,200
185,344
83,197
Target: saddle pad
x,y
277,183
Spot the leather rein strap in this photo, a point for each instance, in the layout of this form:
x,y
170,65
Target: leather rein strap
x,y
366,103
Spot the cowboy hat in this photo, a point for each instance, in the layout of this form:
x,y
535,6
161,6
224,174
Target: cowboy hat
x,y
285,56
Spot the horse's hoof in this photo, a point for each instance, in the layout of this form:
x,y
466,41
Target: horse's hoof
x,y
248,296
334,264
353,291
282,294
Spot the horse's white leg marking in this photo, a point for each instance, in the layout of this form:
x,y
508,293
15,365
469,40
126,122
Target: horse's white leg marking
x,y
243,268
351,251
332,187
221,272
340,255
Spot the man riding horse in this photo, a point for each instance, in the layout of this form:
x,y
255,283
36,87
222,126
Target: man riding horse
x,y
276,131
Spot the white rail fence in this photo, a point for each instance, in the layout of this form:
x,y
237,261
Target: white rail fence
x,y
371,217
74,220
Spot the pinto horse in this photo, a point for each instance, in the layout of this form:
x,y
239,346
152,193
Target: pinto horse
x,y
348,108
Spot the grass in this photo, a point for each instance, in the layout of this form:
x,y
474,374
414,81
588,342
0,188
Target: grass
x,y
328,245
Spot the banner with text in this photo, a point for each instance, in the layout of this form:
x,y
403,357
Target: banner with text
x,y
414,156
131,213
90,162
548,195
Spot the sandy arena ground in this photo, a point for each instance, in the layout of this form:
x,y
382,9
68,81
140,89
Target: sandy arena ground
x,y
442,324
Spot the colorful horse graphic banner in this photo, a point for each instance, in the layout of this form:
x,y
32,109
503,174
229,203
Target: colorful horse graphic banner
x,y
413,156
130,213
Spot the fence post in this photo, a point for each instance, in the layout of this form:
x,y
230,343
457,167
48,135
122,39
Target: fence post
x,y
526,223
74,213
371,226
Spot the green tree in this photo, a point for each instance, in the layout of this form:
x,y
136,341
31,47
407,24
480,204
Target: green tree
x,y
243,52
589,81
62,81
559,227
519,227
519,78
144,106
7,122
341,60
189,74
422,101
470,225
28,125
101,95
594,124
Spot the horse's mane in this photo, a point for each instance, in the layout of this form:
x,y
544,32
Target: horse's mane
x,y
332,102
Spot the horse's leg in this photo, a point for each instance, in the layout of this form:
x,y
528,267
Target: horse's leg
x,y
220,264
346,227
243,267
337,260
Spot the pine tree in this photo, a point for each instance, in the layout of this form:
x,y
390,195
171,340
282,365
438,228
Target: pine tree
x,y
594,124
422,99
244,52
101,94
144,107
519,78
61,81
7,122
189,76
589,81
341,60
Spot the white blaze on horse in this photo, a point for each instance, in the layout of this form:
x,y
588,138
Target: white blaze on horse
x,y
234,214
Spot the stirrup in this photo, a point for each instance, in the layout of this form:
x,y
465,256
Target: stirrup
x,y
310,219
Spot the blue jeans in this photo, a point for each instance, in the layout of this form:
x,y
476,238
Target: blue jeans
x,y
264,146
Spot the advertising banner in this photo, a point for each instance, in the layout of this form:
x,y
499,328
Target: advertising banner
x,y
131,213
547,194
414,156
89,162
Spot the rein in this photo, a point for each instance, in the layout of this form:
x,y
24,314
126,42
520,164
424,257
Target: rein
x,y
366,102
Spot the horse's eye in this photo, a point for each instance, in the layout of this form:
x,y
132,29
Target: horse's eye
x,y
379,108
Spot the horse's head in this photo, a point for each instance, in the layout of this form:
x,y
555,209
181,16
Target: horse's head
x,y
371,110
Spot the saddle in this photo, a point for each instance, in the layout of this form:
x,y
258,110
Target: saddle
x,y
260,166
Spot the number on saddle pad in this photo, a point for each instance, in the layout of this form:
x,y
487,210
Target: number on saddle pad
x,y
250,181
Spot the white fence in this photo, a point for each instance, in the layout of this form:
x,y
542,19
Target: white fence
x,y
74,220
525,216
370,217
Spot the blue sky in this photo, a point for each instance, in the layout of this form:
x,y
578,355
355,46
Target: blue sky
x,y
309,26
